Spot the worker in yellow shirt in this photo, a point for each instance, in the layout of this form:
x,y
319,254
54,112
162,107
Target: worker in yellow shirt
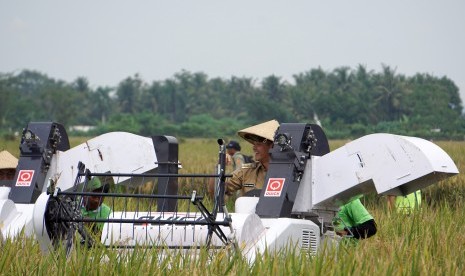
x,y
405,204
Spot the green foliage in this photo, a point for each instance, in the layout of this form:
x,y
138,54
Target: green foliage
x,y
349,102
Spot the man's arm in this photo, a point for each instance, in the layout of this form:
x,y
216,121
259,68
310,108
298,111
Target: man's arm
x,y
239,161
364,230
391,201
233,184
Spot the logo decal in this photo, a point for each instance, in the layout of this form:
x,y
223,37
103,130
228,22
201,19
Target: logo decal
x,y
274,187
25,178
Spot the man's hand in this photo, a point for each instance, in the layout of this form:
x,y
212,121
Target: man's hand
x,y
342,233
211,187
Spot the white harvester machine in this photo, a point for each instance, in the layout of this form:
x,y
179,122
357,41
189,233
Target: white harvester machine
x,y
303,189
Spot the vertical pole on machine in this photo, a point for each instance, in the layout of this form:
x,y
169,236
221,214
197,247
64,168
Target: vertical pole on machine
x,y
220,185
166,150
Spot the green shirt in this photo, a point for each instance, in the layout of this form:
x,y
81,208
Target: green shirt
x,y
101,212
351,214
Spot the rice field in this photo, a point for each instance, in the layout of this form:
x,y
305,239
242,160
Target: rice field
x,y
429,242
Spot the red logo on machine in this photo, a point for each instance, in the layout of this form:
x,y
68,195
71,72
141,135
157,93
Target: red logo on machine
x,y
274,187
25,178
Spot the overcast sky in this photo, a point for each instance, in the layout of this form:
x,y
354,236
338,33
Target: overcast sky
x,y
107,41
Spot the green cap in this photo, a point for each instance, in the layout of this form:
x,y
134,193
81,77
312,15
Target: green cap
x,y
94,184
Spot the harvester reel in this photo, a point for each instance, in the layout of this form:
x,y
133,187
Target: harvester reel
x,y
60,212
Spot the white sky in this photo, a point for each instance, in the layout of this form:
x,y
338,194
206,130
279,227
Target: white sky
x,y
107,41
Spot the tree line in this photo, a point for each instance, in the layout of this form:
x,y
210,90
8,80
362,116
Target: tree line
x,y
347,102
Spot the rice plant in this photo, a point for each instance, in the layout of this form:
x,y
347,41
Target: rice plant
x,y
428,242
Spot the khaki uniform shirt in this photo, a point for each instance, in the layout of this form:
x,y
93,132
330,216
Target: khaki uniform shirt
x,y
250,176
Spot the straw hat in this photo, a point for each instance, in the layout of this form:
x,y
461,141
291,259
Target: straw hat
x,y
258,133
7,160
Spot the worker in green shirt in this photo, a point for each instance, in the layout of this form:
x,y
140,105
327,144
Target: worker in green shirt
x,y
354,221
93,206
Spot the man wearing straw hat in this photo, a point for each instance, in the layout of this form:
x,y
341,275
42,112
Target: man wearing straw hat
x,y
353,217
252,175
8,164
